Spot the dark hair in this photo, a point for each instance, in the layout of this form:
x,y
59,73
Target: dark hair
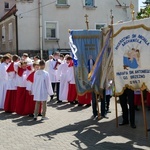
x,y
69,58
23,62
1,56
15,58
37,57
5,57
61,55
42,62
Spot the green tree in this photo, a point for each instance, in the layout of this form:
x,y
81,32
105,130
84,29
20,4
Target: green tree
x,y
144,13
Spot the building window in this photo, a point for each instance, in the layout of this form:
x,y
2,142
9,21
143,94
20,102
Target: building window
x,y
6,5
51,30
89,3
3,34
10,31
62,2
99,26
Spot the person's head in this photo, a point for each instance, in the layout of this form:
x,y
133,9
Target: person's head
x,y
61,57
36,66
51,57
36,58
23,64
24,56
15,58
6,59
68,59
56,55
90,57
42,64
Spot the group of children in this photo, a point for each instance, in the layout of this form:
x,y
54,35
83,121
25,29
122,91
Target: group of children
x,y
25,84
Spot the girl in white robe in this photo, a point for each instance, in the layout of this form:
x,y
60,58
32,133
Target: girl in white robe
x,y
3,79
41,89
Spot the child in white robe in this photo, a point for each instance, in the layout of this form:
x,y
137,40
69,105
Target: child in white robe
x,y
3,79
41,89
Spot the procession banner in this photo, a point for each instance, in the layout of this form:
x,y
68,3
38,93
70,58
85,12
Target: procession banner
x,y
101,69
85,46
131,55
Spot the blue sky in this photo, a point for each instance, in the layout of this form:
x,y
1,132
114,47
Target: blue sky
x,y
140,3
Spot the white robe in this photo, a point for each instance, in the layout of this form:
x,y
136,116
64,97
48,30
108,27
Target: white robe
x,y
42,86
70,74
63,89
3,83
11,84
54,74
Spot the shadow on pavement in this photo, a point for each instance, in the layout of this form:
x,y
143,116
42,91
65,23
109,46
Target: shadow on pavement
x,y
97,135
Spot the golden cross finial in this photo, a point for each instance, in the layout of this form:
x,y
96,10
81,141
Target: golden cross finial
x,y
86,21
132,11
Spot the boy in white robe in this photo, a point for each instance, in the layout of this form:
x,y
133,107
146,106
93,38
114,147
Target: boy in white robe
x,y
41,89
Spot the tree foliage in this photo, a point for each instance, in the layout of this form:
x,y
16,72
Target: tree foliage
x,y
144,13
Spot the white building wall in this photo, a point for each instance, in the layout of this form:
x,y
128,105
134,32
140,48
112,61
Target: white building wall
x,y
73,17
28,25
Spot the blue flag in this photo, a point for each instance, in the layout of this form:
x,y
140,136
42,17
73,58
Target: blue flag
x,y
85,46
96,73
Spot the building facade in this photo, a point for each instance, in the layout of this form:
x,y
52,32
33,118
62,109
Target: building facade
x,y
5,6
43,24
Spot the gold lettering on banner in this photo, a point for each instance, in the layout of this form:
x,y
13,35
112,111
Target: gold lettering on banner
x,y
89,46
86,36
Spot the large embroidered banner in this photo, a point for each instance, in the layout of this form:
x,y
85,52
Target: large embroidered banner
x,y
85,46
131,55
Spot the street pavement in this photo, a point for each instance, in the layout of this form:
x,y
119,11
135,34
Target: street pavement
x,y
70,127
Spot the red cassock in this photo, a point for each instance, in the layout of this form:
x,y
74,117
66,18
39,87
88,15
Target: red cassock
x,y
20,100
137,99
85,99
10,99
29,103
72,93
148,99
21,95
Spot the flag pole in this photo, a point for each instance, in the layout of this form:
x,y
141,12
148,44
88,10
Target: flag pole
x,y
98,109
116,108
144,114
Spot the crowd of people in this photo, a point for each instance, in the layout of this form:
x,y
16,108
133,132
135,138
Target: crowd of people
x,y
25,85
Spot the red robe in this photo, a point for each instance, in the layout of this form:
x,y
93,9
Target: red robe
x,y
72,91
29,103
21,95
85,99
10,99
148,99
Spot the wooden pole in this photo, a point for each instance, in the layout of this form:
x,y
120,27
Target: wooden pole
x,y
144,114
98,109
116,108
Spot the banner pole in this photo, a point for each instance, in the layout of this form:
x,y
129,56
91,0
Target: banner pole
x,y
116,108
144,114
98,109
